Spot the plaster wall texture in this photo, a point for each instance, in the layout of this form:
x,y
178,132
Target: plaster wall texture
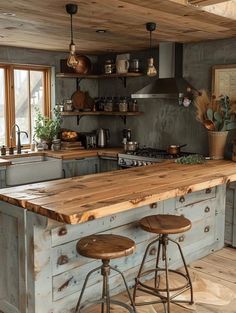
x,y
165,122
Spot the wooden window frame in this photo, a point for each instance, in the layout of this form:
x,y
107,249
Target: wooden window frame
x,y
10,96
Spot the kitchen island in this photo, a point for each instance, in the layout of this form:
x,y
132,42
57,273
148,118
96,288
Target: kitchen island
x,y
41,270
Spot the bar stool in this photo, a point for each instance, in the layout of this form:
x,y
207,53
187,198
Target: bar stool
x,y
105,247
163,225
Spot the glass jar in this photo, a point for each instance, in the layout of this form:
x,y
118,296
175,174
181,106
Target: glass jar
x,y
109,67
133,105
3,150
123,105
108,105
56,144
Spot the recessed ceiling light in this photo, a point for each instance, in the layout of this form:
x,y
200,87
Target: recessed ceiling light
x,y
101,31
8,14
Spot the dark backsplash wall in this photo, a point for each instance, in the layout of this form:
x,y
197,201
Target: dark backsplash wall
x,y
165,122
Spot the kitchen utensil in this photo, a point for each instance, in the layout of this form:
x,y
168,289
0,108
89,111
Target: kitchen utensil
x,y
209,125
131,146
102,137
84,65
175,149
78,100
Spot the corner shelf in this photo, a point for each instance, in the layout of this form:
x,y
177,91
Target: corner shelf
x,y
79,77
79,115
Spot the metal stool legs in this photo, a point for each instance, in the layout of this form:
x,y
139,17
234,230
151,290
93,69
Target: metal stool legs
x,y
156,290
105,300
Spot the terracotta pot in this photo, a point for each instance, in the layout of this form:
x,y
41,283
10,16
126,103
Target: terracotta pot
x,y
217,142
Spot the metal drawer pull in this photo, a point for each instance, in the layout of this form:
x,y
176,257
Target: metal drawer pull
x,y
207,209
181,238
182,199
63,259
208,190
207,229
153,205
62,231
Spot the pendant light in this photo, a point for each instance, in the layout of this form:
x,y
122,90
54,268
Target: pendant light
x,y
72,60
151,70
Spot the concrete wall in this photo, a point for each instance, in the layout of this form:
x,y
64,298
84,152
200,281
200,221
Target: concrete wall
x,y
164,121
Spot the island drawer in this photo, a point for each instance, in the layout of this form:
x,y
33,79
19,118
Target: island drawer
x,y
66,233
68,278
197,211
194,197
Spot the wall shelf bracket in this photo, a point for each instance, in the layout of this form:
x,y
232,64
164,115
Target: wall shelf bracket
x,y
79,118
123,79
123,117
78,80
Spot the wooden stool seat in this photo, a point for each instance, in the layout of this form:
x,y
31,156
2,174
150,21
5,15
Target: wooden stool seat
x,y
105,247
165,224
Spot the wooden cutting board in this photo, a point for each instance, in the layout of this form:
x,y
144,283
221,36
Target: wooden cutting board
x,y
78,100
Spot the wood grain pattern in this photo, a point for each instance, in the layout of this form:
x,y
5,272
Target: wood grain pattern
x,y
45,24
165,224
79,199
105,246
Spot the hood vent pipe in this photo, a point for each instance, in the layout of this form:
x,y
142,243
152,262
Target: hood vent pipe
x,y
170,83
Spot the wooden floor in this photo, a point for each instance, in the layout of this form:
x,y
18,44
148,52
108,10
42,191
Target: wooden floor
x,y
219,267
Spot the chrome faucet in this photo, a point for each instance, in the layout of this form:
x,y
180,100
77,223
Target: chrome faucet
x,y
18,145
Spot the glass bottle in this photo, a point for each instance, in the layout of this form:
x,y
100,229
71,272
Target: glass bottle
x,y
123,105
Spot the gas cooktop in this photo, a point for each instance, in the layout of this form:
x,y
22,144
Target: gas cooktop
x,y
146,156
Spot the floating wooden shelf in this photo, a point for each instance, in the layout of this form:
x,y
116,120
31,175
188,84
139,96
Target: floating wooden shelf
x,y
79,77
97,76
79,115
66,113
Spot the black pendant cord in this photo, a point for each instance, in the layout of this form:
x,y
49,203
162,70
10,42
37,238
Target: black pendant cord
x,y
150,44
71,31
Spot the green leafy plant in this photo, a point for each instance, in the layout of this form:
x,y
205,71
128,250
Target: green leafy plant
x,y
45,127
218,113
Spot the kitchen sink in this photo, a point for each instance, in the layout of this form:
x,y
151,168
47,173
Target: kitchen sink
x,y
31,169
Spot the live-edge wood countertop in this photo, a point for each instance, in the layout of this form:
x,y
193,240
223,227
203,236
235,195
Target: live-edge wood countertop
x,y
79,199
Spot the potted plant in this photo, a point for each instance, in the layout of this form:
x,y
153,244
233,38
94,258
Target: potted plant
x,y
218,117
46,129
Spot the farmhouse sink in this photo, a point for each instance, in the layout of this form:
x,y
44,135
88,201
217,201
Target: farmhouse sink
x,y
31,169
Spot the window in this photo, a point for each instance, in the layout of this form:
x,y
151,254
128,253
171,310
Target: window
x,y
23,90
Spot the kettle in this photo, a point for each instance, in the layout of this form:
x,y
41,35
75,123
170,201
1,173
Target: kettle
x,y
103,137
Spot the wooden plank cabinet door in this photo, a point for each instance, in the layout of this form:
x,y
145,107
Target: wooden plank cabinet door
x,y
12,259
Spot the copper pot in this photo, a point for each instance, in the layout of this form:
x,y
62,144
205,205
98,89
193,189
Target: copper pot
x,y
84,65
174,149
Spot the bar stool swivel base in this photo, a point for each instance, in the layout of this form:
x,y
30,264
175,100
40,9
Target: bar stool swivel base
x,y
164,293
105,300
105,247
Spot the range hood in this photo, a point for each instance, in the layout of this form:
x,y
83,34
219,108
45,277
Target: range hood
x,y
170,83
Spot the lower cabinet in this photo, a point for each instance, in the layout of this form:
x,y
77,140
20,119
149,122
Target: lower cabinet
x,y
80,167
92,165
230,215
108,164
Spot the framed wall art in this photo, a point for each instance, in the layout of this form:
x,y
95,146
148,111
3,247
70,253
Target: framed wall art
x,y
224,80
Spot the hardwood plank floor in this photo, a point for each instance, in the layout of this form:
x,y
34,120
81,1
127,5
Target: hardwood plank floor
x,y
218,267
